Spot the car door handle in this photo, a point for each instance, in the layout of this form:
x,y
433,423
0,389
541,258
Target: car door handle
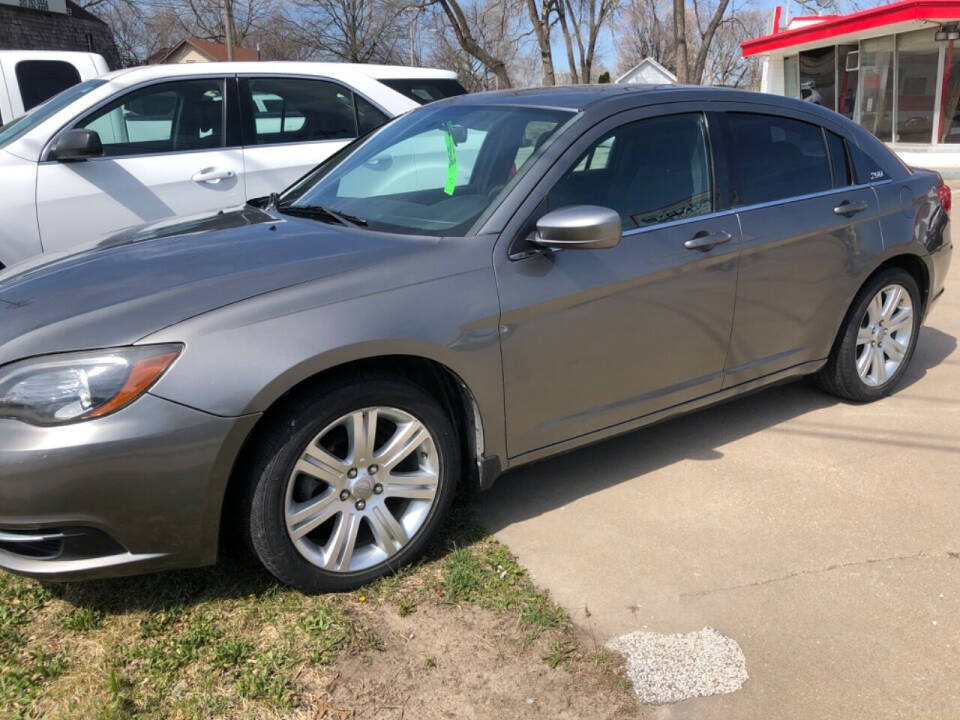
x,y
705,241
849,209
212,175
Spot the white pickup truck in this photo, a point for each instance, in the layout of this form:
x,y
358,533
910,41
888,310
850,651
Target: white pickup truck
x,y
28,77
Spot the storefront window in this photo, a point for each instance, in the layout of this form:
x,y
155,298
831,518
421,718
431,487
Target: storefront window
x,y
876,86
950,94
917,54
791,87
818,77
848,64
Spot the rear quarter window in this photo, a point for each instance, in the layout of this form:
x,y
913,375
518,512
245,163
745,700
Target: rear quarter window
x,y
866,168
426,91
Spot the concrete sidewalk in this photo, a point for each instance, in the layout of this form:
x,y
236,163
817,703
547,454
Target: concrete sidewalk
x,y
823,537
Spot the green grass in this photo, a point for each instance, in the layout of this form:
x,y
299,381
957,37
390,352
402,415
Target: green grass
x,y
230,641
560,653
487,575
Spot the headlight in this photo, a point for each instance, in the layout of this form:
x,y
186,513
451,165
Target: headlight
x,y
68,388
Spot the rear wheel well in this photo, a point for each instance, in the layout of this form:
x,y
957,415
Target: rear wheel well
x,y
435,378
913,265
909,263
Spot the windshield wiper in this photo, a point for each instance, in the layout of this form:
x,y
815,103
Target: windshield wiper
x,y
318,212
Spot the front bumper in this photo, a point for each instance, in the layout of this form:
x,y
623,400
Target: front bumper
x,y
137,491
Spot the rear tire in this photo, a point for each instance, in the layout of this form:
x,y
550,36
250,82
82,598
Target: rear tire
x,y
877,340
328,507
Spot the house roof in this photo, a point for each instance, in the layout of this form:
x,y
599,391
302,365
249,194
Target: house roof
x,y
215,52
829,29
648,62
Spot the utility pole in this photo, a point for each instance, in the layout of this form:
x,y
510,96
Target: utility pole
x,y
228,29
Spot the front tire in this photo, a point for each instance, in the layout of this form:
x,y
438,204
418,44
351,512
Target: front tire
x,y
350,482
877,340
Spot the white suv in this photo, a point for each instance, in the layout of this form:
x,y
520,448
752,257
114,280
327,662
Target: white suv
x,y
148,143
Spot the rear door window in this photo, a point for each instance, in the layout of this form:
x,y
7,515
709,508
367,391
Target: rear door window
x,y
775,158
296,110
40,80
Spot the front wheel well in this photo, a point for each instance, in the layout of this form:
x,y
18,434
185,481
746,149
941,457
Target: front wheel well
x,y
437,379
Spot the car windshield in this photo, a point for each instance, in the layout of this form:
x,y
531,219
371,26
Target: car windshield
x,y
431,172
25,123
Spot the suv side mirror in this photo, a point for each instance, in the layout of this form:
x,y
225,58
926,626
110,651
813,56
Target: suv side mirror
x,y
579,227
76,145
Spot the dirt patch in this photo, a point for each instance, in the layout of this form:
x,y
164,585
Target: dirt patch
x,y
466,662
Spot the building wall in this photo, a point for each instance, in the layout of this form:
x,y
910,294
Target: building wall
x,y
771,75
187,54
22,29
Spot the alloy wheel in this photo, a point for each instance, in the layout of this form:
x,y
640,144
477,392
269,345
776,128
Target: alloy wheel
x,y
362,489
886,331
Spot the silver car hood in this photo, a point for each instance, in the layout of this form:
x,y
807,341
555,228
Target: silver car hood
x,y
148,278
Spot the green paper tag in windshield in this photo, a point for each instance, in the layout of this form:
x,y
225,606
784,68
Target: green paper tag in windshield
x,y
451,161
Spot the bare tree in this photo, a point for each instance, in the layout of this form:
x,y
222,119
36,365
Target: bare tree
x,y
540,18
470,28
726,65
362,31
581,21
707,33
644,31
680,40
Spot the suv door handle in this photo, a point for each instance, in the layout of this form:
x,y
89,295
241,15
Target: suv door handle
x,y
849,209
212,175
705,241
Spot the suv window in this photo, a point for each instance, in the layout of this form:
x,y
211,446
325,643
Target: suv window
x,y
773,158
169,117
650,171
40,80
426,91
368,117
293,110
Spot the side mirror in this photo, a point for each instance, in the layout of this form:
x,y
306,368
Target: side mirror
x,y
76,145
579,227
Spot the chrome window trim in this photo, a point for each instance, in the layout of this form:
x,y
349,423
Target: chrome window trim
x,y
756,206
195,151
298,144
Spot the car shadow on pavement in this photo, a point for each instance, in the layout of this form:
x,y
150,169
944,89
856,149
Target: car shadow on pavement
x,y
527,492
540,487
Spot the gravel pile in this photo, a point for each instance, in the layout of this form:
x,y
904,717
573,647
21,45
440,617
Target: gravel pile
x,y
670,668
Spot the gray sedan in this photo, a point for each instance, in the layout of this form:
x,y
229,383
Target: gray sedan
x,y
479,284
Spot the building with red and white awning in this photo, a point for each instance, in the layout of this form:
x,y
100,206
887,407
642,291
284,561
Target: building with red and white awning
x,y
894,69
